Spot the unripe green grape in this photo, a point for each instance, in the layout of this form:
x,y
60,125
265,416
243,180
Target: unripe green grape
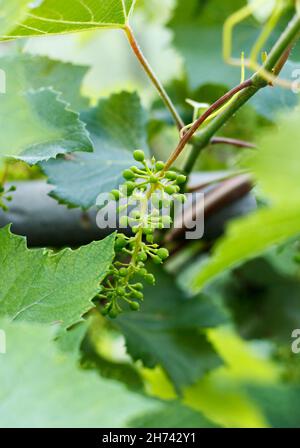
x,y
148,231
115,194
137,295
105,310
130,186
120,291
123,272
150,279
153,179
138,286
120,244
139,155
134,169
163,253
128,174
113,313
134,306
181,179
159,165
171,175
156,259
143,272
149,239
170,189
142,256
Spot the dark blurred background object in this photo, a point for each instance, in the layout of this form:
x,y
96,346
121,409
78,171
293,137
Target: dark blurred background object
x,y
45,222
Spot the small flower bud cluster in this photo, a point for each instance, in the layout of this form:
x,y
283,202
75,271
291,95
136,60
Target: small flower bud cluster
x,y
153,188
5,196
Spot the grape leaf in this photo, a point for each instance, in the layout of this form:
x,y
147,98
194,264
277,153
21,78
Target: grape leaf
x,y
56,17
25,72
255,293
46,126
45,287
41,387
123,372
118,127
195,23
173,415
277,172
11,11
167,332
280,404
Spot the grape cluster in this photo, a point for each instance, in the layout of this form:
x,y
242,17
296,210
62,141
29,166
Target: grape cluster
x,y
151,189
5,196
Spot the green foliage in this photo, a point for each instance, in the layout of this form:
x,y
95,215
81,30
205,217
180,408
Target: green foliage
x,y
280,404
46,125
129,320
12,12
64,283
50,391
169,331
55,17
150,192
118,127
197,22
277,174
173,415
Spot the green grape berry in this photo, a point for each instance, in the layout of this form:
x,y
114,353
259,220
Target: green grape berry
x,y
139,155
181,179
163,253
134,306
120,244
130,186
113,313
142,256
170,189
123,272
115,194
150,279
143,272
120,291
128,174
148,231
138,286
159,165
156,259
153,179
137,295
171,175
149,239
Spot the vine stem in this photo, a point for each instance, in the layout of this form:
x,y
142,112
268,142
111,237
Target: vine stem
x,y
243,92
153,77
233,142
215,106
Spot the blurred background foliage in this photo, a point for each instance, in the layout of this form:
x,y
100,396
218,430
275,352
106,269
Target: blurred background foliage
x,y
253,378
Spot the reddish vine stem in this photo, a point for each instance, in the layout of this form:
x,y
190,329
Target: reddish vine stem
x,y
215,106
151,74
232,141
